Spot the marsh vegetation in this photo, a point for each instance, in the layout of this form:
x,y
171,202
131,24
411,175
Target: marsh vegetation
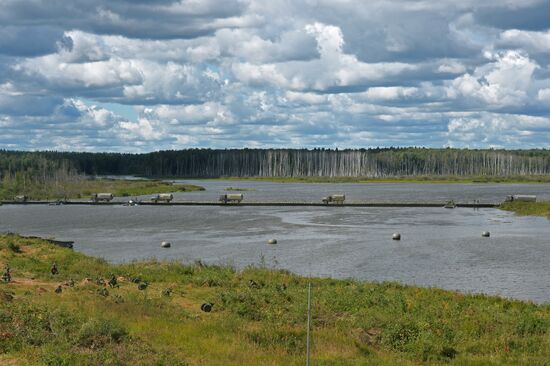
x,y
82,187
528,208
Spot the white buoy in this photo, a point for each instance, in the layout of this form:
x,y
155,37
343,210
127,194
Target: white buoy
x,y
486,234
272,241
165,244
396,236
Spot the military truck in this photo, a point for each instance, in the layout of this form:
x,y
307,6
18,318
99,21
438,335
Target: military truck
x,y
337,199
163,197
102,197
21,198
521,198
231,198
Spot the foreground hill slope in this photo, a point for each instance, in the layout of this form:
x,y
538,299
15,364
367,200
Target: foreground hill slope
x,y
152,315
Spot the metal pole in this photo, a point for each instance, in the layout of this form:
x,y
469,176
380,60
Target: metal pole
x,y
308,321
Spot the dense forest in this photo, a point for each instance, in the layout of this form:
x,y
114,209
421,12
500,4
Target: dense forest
x,y
386,162
36,174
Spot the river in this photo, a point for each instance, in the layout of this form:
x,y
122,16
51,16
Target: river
x,y
439,247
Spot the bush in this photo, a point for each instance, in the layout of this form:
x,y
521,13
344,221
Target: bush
x,y
531,325
14,247
399,334
97,333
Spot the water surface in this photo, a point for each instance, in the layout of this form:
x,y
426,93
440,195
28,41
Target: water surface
x,y
439,247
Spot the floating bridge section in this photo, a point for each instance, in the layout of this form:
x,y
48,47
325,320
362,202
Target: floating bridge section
x,y
257,204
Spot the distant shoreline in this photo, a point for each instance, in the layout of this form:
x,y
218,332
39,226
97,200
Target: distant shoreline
x,y
531,179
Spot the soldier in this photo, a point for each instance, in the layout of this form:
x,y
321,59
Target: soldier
x,y
100,281
103,292
113,282
54,269
6,277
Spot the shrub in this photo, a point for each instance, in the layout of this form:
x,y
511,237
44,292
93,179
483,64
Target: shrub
x,y
14,247
531,325
399,334
97,333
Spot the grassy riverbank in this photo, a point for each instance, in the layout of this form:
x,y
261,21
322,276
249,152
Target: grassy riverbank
x,y
78,187
403,179
528,208
258,317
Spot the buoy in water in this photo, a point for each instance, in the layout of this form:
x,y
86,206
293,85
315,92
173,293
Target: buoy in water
x,y
272,241
396,236
165,244
486,234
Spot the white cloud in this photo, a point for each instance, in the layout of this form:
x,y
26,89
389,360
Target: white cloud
x,y
142,129
497,130
503,82
212,112
306,98
528,40
452,67
390,93
332,69
262,74
53,69
92,116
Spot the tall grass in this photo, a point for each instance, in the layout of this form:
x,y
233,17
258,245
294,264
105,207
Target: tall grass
x,y
528,208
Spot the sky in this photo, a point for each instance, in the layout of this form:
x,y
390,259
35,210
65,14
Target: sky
x,y
139,76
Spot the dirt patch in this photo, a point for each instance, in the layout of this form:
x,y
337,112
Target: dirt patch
x,y
7,360
368,336
29,282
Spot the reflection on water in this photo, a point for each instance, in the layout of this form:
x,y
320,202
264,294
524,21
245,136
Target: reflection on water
x,y
439,247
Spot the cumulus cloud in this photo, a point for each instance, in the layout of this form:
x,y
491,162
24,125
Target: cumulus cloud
x,y
528,40
333,68
142,129
54,70
390,92
501,83
452,67
273,74
497,130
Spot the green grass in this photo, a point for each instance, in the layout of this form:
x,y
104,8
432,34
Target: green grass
x,y
528,208
81,188
402,179
258,317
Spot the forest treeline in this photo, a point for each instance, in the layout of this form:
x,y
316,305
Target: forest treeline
x,y
203,163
